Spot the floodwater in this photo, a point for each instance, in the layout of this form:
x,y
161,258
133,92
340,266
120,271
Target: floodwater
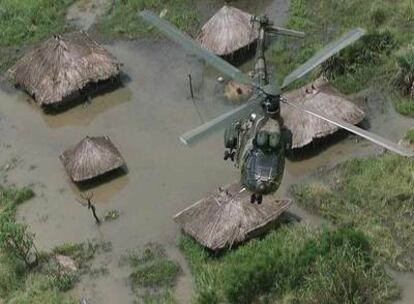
x,y
143,118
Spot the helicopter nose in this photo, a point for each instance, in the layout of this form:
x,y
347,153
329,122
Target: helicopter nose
x,y
262,187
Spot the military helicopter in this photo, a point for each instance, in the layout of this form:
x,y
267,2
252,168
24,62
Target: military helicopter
x,y
255,137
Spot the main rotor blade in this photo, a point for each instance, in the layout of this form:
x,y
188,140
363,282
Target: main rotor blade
x,y
194,135
284,32
192,46
381,141
324,54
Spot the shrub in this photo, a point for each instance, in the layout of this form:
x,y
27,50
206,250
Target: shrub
x,y
404,79
373,194
364,52
16,240
287,265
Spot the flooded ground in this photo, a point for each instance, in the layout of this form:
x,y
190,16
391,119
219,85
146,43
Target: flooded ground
x,y
143,118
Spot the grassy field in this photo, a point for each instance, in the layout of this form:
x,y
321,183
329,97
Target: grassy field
x,y
23,22
382,59
122,20
376,195
293,264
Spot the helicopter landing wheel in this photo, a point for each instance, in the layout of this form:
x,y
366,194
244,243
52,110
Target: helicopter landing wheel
x,y
256,198
229,154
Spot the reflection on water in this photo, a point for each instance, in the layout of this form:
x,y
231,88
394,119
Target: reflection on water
x,y
84,113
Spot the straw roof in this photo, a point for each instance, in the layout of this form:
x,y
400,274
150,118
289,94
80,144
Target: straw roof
x,y
227,217
321,96
92,157
63,65
227,31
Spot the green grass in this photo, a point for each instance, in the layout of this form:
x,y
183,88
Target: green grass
x,y
409,136
18,283
376,195
23,22
44,283
293,264
373,61
153,274
123,21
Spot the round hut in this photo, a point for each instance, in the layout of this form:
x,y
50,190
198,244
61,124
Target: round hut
x,y
321,96
60,67
226,217
92,157
228,31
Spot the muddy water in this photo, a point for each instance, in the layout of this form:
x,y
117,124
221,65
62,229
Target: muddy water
x,y
143,118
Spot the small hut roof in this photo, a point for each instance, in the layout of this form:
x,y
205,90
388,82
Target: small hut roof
x,y
227,31
92,157
322,97
227,217
62,65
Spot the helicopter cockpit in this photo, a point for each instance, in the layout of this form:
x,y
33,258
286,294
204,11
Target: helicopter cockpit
x,y
263,164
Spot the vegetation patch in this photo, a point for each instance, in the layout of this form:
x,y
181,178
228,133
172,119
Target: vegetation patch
x,y
122,19
293,264
404,80
27,21
153,274
409,136
373,61
111,215
29,276
376,195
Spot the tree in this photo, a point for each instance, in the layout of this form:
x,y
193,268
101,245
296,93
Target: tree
x,y
16,240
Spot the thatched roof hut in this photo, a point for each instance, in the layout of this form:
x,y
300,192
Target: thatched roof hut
x,y
227,31
62,66
226,217
321,96
92,157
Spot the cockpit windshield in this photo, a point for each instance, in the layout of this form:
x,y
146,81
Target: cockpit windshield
x,y
261,166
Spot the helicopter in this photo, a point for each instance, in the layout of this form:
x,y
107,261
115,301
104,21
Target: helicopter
x,y
255,137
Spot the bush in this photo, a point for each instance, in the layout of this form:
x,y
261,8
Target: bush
x,y
39,290
409,136
404,79
282,265
153,274
12,272
366,51
374,194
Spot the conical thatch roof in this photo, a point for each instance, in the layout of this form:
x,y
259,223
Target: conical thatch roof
x,y
322,97
227,31
92,157
63,65
227,217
